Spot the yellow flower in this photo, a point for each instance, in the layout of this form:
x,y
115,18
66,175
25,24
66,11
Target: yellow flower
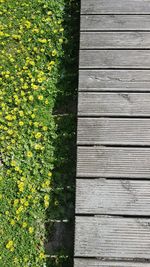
x,y
13,163
17,169
31,97
21,186
34,86
61,29
43,41
38,135
40,97
10,245
60,40
26,203
54,53
49,13
29,154
10,132
24,225
9,117
28,24
50,174
12,222
21,123
41,256
20,209
38,147
21,113
31,229
45,128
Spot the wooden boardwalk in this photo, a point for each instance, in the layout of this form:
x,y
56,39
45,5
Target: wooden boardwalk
x,y
113,157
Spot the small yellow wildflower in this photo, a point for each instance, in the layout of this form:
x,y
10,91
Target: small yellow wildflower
x,y
40,97
12,222
45,128
24,225
42,255
31,229
21,123
38,135
50,174
21,186
29,154
10,245
28,24
54,53
31,97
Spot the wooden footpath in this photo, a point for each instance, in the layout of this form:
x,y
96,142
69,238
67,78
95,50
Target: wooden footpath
x,y
113,145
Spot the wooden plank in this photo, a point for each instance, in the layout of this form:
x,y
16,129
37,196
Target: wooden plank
x,y
113,162
114,80
113,131
114,104
99,40
101,263
115,197
115,6
116,237
115,23
107,59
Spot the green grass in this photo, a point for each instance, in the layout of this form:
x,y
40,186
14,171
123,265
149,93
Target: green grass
x,y
39,42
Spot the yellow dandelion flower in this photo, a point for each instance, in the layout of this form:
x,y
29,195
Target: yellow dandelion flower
x,y
29,154
40,97
31,97
21,123
49,13
31,229
54,52
45,128
28,24
49,174
38,135
10,244
42,255
24,225
12,222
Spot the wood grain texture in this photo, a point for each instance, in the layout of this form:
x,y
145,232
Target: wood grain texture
x,y
115,23
113,162
97,40
107,59
99,263
114,104
113,197
113,131
116,237
115,6
114,80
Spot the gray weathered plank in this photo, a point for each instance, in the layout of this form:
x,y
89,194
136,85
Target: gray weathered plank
x,y
115,6
108,59
114,80
99,263
97,40
115,22
113,131
114,104
116,237
113,162
115,197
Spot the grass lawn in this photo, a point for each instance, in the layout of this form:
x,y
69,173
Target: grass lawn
x,y
39,59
